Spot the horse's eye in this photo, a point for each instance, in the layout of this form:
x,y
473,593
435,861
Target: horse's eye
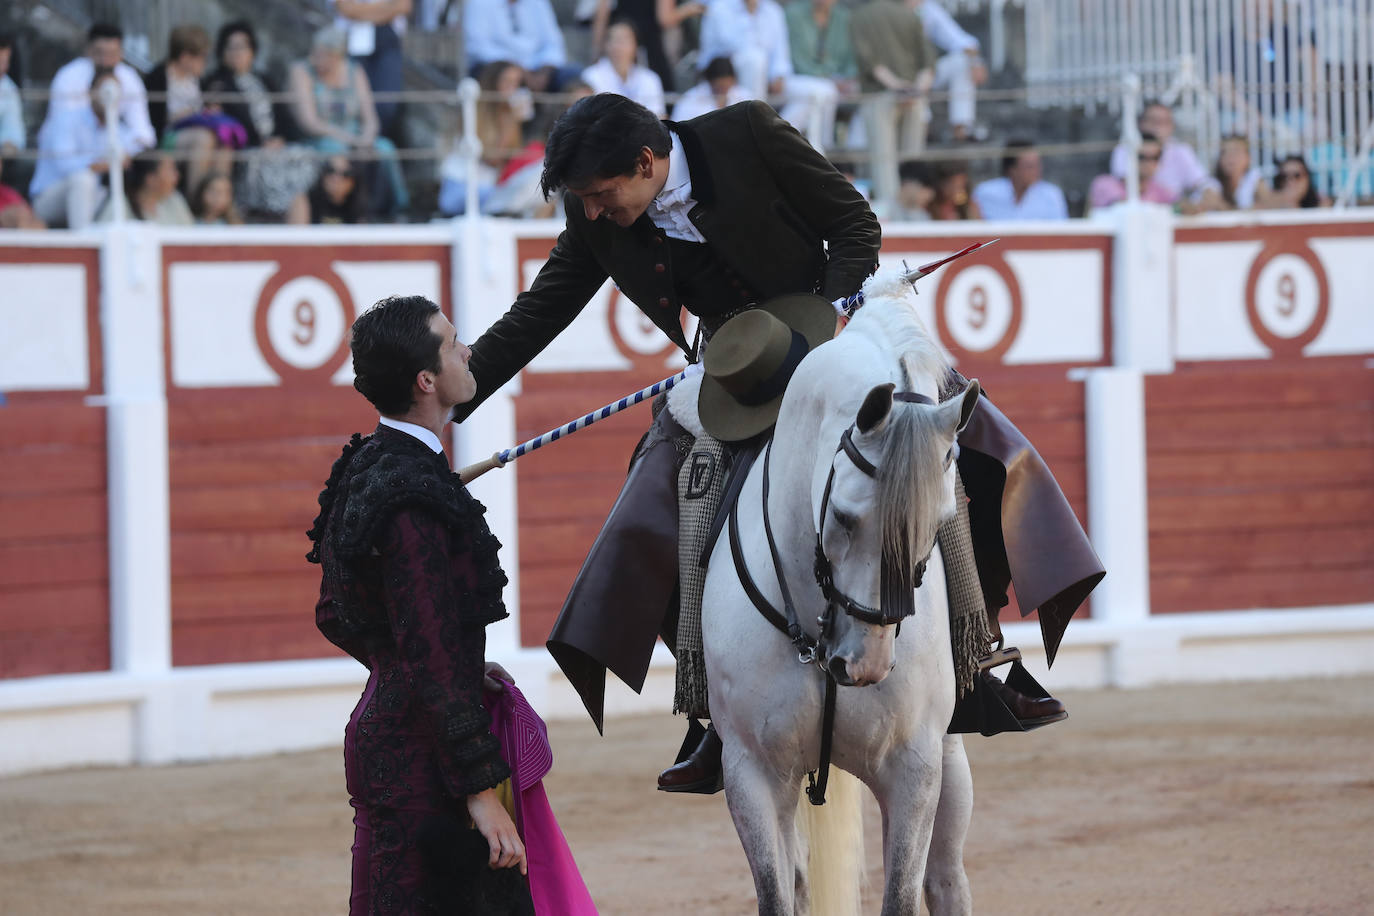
x,y
845,520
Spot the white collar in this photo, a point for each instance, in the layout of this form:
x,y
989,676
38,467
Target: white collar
x,y
419,432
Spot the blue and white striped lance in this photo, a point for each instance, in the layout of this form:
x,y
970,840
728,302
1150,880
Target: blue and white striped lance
x,y
553,435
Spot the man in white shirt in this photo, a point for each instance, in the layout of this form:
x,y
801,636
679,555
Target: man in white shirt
x,y
717,88
71,85
753,34
619,72
1020,193
960,69
374,30
521,31
1180,172
73,156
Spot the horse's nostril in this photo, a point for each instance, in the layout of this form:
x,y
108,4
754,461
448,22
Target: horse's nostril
x,y
837,668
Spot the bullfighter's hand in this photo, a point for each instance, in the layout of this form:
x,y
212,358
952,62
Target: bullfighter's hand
x,y
494,823
490,675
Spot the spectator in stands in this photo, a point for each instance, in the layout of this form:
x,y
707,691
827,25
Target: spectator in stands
x,y
273,172
897,61
374,29
150,186
1180,173
337,197
67,184
915,194
522,31
717,88
818,36
177,109
333,106
960,69
1106,190
1021,192
12,135
15,212
952,199
1239,183
619,71
753,34
1271,56
655,22
1293,187
502,114
70,85
213,201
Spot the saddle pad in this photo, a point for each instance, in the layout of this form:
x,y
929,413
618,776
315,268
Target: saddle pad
x,y
682,405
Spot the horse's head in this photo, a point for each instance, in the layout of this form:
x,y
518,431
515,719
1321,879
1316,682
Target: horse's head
x,y
890,485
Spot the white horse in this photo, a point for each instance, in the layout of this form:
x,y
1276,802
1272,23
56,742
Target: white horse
x,y
898,690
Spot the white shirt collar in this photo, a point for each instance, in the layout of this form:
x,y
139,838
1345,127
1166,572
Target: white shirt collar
x,y
669,208
419,432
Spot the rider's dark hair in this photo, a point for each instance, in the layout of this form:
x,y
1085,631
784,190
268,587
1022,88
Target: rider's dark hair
x,y
391,344
600,137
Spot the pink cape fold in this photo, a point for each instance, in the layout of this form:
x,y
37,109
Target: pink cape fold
x,y
555,883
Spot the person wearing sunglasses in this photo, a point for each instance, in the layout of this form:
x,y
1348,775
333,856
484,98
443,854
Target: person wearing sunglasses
x,y
1109,189
1293,187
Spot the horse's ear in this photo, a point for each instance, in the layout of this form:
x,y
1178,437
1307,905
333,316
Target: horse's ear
x,y
967,403
877,405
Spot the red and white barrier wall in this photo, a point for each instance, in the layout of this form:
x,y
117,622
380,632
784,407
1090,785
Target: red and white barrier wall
x,y
173,401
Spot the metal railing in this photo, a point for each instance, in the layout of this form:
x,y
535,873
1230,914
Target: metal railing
x,y
1297,78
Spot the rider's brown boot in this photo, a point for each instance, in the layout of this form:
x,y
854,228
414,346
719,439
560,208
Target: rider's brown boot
x,y
1032,712
699,772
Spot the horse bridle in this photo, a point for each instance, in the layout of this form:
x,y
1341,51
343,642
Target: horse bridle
x,y
808,650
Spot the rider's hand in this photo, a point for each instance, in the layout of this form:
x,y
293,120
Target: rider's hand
x,y
494,823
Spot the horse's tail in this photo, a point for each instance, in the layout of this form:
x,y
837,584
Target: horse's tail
x,y
834,834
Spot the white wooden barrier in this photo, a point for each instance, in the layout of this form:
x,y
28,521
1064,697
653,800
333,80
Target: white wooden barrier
x,y
147,708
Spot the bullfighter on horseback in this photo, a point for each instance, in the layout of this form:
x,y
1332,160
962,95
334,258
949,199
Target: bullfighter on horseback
x,y
718,215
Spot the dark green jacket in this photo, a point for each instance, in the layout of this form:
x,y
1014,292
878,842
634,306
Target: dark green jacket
x,y
775,212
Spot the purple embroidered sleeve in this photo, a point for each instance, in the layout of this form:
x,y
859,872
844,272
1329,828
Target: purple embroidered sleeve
x,y
427,573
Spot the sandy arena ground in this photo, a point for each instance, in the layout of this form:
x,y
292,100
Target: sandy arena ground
x,y
1255,799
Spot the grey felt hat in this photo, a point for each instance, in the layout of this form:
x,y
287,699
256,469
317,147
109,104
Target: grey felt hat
x,y
751,358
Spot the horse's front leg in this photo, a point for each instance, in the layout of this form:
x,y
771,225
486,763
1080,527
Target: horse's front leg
x,y
946,884
908,790
764,806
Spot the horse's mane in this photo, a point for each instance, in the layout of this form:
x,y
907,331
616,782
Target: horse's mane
x,y
910,478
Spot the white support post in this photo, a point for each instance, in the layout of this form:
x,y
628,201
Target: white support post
x,y
137,450
1142,287
1118,510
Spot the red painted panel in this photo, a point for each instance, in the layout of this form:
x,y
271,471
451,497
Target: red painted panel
x,y
54,545
1261,486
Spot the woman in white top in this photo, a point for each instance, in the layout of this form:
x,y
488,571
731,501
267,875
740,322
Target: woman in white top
x,y
619,71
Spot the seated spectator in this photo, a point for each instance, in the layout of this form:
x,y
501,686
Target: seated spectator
x,y
619,72
960,69
656,23
522,31
952,199
504,183
205,139
12,134
717,88
336,198
273,173
68,183
1021,192
374,29
334,109
1180,174
915,193
1106,190
1239,183
71,84
15,212
1293,187
1334,167
895,60
150,188
212,203
753,34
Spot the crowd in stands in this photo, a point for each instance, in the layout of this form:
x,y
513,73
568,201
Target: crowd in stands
x,y
208,136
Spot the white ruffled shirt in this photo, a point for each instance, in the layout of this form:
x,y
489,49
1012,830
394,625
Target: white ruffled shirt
x,y
669,209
